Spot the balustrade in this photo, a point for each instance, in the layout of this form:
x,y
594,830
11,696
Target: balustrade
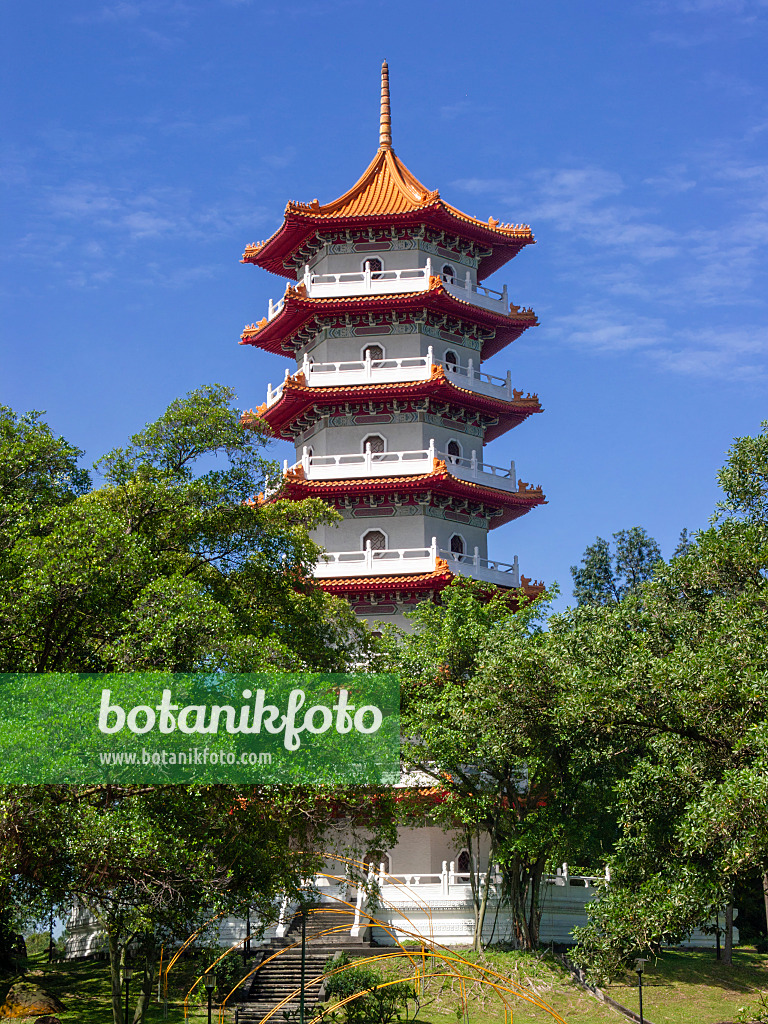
x,y
356,465
393,561
351,372
393,282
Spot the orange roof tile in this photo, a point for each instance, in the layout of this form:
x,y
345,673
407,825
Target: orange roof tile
x,y
512,504
385,189
386,186
440,575
299,309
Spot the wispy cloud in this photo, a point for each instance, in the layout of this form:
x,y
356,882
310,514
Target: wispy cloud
x,y
131,11
735,355
698,22
608,332
137,214
715,6
652,283
672,181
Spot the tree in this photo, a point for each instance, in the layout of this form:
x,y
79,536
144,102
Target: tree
x,y
483,721
151,863
677,674
38,472
744,479
606,576
170,565
165,566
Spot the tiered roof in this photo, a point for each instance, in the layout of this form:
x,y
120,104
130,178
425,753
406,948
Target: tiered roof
x,y
299,310
387,193
296,399
393,587
439,481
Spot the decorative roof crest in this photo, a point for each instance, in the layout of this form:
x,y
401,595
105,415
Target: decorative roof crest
x,y
385,120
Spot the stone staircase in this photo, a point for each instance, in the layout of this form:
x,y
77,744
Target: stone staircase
x,y
282,975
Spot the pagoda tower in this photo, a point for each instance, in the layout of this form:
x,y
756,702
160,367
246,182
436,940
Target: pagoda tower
x,y
387,406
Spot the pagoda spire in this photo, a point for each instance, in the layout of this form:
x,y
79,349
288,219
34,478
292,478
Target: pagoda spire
x,y
385,122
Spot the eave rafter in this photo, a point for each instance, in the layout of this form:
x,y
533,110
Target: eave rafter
x,y
376,590
507,505
299,406
300,317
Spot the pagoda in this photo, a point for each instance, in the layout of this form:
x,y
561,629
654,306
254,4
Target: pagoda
x,y
388,407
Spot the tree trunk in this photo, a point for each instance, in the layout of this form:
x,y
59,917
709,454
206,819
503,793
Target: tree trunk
x,y
765,898
518,878
147,980
115,952
483,908
728,949
534,913
474,872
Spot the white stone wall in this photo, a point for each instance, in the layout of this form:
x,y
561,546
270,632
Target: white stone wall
x,y
396,346
392,259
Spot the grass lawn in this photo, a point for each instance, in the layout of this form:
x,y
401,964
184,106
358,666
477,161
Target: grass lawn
x,y
83,987
694,988
679,988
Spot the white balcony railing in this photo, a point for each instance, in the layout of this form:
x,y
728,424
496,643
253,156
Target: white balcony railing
x,y
354,372
376,562
401,561
491,570
367,282
396,282
360,465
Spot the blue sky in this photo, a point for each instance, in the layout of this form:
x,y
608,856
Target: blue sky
x,y
147,141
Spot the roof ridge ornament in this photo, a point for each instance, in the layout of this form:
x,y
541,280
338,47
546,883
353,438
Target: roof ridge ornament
x,y
385,120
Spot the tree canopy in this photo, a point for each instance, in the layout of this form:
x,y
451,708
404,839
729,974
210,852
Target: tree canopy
x,y
171,564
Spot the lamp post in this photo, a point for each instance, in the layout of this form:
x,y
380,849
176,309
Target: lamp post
x,y
209,981
639,968
247,939
303,960
127,975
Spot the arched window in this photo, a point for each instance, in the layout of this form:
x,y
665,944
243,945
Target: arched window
x,y
376,539
451,359
449,274
375,265
464,865
457,544
373,352
377,443
453,450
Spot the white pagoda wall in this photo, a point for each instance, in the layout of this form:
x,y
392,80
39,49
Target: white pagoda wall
x,y
392,259
395,346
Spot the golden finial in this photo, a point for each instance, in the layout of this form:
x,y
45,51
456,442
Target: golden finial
x,y
385,123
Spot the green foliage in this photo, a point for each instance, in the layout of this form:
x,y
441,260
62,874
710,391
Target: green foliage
x,y
744,479
377,1006
757,1013
608,575
481,702
677,676
637,919
37,472
169,564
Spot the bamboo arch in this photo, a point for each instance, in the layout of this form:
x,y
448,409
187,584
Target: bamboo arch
x,y
456,966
